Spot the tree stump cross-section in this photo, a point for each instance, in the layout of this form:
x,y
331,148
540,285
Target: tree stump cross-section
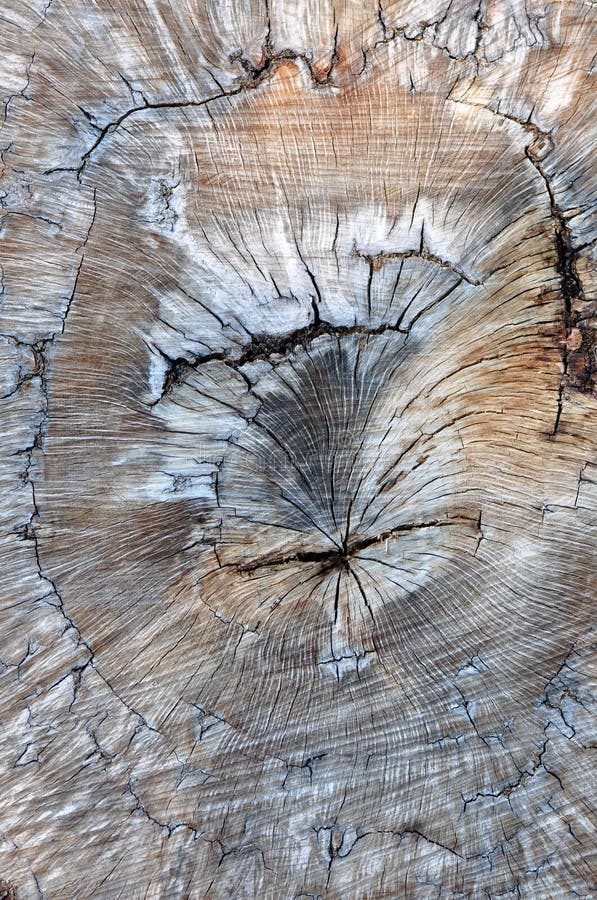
x,y
299,455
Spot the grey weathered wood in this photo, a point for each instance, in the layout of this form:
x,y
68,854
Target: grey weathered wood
x,y
298,465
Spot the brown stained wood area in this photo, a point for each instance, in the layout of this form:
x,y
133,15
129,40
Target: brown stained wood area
x,y
298,465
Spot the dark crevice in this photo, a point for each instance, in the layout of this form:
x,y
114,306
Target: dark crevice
x,y
28,532
362,592
415,832
392,34
255,76
524,775
542,144
329,558
264,346
377,260
23,92
111,127
381,20
578,341
578,364
168,827
340,556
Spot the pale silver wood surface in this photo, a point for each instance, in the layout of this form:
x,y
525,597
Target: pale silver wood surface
x,y
298,464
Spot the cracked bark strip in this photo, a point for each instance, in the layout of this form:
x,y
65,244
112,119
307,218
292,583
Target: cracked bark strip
x,y
300,452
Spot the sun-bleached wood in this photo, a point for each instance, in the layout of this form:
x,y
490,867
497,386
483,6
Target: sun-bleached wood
x,y
298,468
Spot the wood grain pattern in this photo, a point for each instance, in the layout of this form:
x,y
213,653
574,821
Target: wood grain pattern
x,y
298,468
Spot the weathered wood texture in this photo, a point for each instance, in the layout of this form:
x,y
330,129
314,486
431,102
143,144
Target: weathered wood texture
x,y
298,462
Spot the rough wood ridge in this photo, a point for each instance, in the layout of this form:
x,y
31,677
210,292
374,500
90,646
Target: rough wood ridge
x,y
298,470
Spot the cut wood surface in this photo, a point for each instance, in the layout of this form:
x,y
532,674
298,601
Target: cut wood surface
x,y
298,463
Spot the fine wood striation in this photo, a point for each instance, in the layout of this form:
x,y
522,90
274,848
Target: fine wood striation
x,y
298,470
